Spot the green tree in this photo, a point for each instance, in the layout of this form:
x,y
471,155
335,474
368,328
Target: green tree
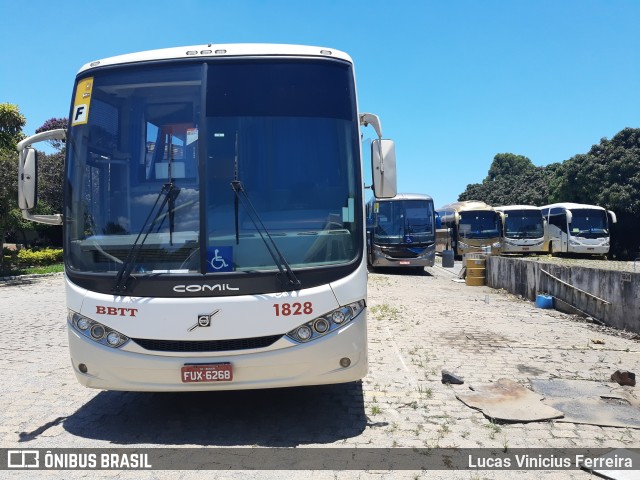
x,y
512,180
50,182
509,165
11,123
609,176
51,169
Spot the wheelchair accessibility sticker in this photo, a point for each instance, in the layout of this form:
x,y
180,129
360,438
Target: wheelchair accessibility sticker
x,y
220,259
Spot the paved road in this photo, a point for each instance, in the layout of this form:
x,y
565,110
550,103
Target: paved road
x,y
419,325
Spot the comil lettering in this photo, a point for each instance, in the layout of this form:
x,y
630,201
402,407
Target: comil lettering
x,y
220,287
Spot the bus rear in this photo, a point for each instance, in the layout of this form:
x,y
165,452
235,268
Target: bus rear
x,y
214,233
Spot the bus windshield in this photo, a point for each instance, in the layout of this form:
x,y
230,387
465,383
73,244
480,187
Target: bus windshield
x,y
153,162
588,223
523,224
404,222
479,224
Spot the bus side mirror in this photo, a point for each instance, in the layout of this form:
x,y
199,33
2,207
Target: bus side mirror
x,y
28,179
614,219
569,216
28,176
383,167
438,221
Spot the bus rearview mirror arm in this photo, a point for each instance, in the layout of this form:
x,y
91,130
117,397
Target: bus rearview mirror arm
x,y
367,119
383,160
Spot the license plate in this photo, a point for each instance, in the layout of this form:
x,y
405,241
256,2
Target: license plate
x,y
210,372
405,263
525,248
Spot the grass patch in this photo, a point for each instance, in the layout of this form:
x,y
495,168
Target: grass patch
x,y
55,268
385,312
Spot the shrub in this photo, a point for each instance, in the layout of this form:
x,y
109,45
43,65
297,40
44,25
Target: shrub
x,y
44,256
9,258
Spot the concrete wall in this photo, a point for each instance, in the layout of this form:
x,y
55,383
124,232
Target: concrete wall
x,y
621,289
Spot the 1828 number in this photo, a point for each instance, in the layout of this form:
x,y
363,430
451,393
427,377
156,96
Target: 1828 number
x,y
287,309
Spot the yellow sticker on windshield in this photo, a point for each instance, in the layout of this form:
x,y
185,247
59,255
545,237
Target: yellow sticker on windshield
x,y
82,102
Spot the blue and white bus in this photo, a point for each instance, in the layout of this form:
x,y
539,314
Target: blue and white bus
x,y
401,231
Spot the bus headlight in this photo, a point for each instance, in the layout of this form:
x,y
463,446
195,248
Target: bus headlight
x,y
83,323
114,338
327,323
304,333
96,331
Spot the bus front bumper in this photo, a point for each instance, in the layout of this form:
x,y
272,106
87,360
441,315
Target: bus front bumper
x,y
382,260
313,363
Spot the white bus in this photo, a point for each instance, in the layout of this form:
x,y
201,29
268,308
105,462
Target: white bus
x,y
523,229
577,228
214,231
472,226
401,231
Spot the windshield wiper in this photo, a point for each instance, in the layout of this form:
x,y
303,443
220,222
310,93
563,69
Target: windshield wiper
x,y
292,281
169,192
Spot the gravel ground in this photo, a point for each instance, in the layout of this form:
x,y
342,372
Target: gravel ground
x,y
419,324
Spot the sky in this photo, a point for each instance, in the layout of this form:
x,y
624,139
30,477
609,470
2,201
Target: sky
x,y
455,82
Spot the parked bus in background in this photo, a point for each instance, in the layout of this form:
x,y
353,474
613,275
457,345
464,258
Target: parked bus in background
x,y
214,218
474,227
577,228
523,229
401,231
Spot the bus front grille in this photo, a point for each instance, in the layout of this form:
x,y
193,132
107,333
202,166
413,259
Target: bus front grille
x,y
206,345
403,252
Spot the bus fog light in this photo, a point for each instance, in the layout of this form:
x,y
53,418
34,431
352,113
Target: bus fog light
x,y
345,362
97,331
83,368
304,333
321,325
